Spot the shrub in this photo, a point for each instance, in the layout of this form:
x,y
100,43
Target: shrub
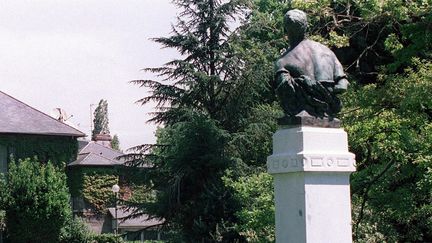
x,y
76,231
106,238
36,200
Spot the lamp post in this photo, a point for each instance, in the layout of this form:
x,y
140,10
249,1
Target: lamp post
x,y
115,190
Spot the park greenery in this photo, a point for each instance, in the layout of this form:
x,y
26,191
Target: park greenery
x,y
219,111
36,201
34,206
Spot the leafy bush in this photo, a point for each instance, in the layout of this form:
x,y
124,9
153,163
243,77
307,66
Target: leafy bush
x,y
76,231
257,216
106,238
36,200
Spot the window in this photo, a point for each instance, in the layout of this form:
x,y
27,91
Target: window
x,y
3,159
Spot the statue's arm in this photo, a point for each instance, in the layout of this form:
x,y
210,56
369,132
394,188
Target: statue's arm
x,y
341,85
282,77
340,78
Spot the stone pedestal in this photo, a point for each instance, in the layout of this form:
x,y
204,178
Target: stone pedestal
x,y
311,168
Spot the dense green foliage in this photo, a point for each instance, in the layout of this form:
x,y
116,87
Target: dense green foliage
x,y
208,77
390,133
106,238
97,190
385,47
54,148
188,182
75,231
36,200
257,215
2,220
198,102
387,111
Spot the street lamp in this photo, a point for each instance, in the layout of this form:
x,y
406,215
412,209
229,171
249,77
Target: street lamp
x,y
115,190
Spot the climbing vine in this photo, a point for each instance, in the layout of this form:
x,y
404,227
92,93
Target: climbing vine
x,y
93,185
57,149
97,190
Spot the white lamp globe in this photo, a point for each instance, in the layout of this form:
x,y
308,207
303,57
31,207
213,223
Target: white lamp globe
x,y
115,188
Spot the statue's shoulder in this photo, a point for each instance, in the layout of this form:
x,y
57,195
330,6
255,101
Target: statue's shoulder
x,y
319,48
282,59
295,55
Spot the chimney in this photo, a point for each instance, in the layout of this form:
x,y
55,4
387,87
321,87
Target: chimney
x,y
103,139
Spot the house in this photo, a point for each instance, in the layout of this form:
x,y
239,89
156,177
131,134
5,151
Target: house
x,y
27,132
91,176
135,227
92,166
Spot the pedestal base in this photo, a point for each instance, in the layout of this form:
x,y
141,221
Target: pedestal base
x,y
311,168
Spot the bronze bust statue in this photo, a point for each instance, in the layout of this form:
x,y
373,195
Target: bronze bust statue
x,y
308,75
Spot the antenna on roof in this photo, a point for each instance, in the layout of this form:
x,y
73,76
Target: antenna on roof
x,y
60,115
91,119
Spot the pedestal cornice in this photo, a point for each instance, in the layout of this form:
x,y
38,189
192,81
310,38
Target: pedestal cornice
x,y
285,163
305,148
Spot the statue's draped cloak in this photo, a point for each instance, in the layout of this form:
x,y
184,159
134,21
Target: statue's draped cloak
x,y
306,75
311,59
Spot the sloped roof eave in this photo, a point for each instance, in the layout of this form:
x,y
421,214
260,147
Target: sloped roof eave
x,y
17,117
76,135
91,159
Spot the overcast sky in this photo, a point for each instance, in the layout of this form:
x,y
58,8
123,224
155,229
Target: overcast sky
x,y
72,53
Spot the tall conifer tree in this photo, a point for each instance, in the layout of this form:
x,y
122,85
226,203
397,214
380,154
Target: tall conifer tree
x,y
205,79
195,99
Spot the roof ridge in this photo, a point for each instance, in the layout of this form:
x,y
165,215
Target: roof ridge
x,y
84,147
84,153
84,159
41,112
100,145
91,153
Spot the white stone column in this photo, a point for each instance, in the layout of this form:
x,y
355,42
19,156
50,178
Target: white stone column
x,y
311,168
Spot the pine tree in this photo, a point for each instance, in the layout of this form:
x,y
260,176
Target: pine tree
x,y
206,78
198,101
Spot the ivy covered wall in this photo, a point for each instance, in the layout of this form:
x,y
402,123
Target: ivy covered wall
x,y
93,184
57,149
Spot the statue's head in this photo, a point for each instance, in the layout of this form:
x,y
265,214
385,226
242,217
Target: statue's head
x,y
296,24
